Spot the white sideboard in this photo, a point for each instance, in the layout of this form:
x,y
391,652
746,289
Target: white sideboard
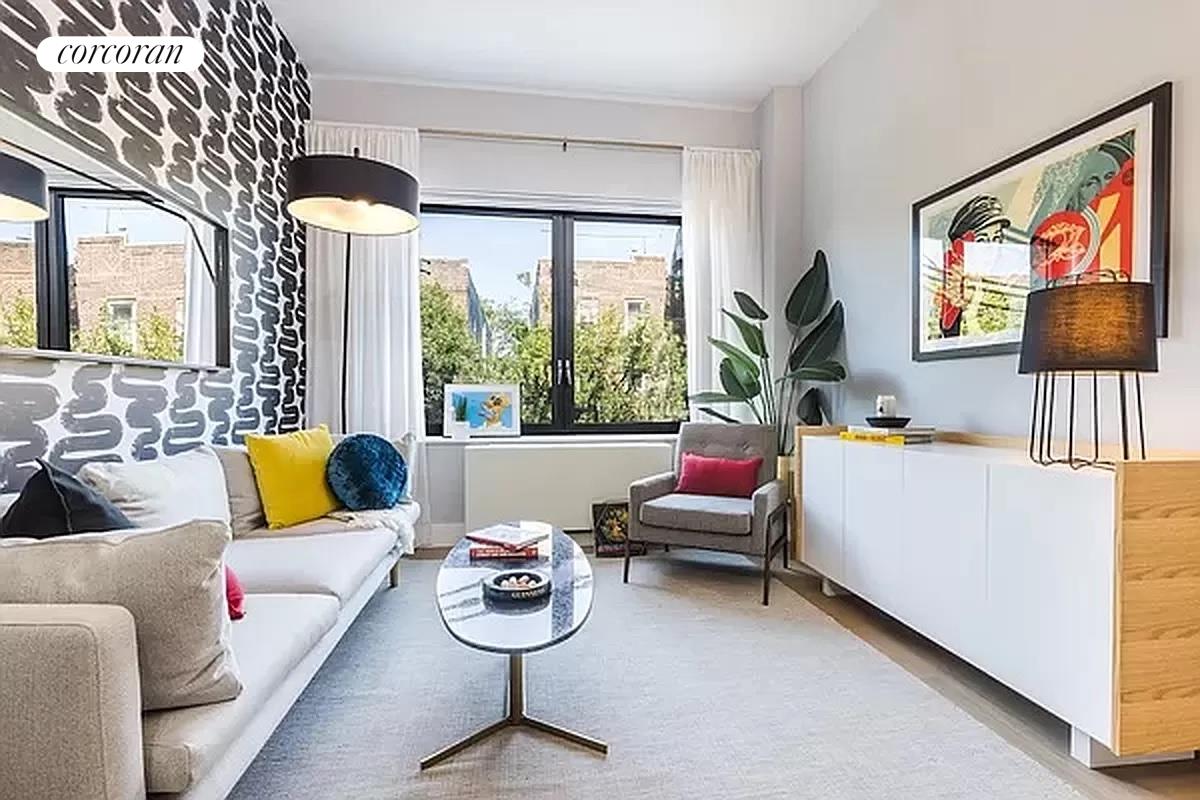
x,y
1079,589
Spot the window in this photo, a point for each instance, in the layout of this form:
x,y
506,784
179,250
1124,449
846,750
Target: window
x,y
109,274
121,321
18,285
584,311
634,309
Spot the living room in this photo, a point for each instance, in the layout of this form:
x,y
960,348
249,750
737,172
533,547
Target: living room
x,y
545,400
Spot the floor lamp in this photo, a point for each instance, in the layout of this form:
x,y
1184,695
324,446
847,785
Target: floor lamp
x,y
352,195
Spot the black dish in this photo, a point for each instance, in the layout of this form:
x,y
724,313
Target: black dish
x,y
537,590
888,422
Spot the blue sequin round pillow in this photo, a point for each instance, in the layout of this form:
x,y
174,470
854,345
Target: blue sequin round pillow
x,y
366,471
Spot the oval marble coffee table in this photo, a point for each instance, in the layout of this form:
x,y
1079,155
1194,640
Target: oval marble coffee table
x,y
517,630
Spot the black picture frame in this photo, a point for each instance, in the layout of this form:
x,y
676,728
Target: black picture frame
x,y
1159,99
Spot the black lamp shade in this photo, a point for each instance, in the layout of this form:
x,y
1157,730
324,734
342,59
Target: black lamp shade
x,y
349,194
1105,327
22,191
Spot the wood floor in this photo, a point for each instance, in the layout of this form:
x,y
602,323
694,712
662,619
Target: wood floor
x,y
1025,726
1022,724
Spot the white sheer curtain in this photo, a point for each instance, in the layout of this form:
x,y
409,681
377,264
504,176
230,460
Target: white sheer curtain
x,y
384,388
722,250
199,296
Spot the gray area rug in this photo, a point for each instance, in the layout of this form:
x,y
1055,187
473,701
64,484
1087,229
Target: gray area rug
x,y
699,690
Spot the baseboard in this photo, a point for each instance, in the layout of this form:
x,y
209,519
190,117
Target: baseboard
x,y
447,534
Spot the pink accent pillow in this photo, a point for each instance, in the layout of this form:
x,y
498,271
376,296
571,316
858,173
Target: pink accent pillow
x,y
725,477
235,598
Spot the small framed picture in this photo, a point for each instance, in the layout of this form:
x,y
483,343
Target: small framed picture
x,y
482,409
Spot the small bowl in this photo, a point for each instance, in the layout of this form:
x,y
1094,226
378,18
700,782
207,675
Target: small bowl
x,y
536,589
888,422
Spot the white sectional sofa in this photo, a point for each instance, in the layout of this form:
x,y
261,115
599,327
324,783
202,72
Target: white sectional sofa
x,y
82,733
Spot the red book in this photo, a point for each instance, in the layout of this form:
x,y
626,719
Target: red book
x,y
488,552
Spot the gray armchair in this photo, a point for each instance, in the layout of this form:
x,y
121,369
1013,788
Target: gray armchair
x,y
755,526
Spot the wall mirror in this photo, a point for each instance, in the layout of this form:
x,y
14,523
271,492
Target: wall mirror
x,y
118,270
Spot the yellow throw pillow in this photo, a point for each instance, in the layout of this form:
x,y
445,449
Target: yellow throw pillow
x,y
290,472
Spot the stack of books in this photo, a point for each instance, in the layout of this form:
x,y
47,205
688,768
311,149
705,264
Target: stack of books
x,y
504,542
898,436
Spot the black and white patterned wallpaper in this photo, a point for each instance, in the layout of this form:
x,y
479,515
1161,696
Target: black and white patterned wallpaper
x,y
220,137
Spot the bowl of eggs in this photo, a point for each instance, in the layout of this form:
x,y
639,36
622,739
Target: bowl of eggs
x,y
516,586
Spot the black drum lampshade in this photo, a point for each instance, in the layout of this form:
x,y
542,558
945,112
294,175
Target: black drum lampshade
x,y
1089,329
1085,327
22,191
349,194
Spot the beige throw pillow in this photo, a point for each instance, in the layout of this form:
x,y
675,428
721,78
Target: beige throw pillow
x,y
245,506
171,580
165,491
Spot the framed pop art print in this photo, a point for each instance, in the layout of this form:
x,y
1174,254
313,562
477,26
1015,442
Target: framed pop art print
x,y
1091,203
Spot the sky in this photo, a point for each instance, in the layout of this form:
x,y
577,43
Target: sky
x,y
501,248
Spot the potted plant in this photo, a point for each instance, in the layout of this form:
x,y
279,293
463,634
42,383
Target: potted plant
x,y
460,428
746,374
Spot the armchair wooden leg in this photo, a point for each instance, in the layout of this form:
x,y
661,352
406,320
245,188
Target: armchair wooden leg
x,y
625,579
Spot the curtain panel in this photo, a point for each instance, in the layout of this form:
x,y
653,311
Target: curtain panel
x,y
385,390
722,251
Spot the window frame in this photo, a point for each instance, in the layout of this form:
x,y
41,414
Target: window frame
x,y
52,278
562,314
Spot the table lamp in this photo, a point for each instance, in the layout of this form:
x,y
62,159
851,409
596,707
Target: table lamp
x,y
1101,328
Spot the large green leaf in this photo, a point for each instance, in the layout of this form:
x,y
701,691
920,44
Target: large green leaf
x,y
738,382
751,334
713,397
723,417
808,297
825,371
736,353
808,407
819,343
749,306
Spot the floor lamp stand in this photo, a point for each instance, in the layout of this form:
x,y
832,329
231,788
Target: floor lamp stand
x,y
345,335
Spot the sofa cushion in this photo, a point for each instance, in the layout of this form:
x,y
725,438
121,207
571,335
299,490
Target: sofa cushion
x,y
702,513
164,491
401,520
173,583
332,563
182,745
245,506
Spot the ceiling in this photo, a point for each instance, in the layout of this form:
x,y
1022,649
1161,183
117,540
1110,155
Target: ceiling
x,y
726,53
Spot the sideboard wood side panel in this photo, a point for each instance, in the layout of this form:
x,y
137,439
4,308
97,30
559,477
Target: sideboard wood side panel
x,y
1157,593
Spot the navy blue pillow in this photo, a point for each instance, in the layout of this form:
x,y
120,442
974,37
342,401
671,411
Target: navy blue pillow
x,y
366,471
55,503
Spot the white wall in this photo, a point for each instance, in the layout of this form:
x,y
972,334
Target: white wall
x,y
465,170
928,91
779,127
380,103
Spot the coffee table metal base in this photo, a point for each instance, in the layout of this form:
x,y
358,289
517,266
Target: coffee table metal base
x,y
515,716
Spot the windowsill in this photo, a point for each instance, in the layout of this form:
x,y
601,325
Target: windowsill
x,y
68,355
566,438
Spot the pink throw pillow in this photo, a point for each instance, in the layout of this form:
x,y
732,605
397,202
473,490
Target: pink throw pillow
x,y
725,477
235,598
